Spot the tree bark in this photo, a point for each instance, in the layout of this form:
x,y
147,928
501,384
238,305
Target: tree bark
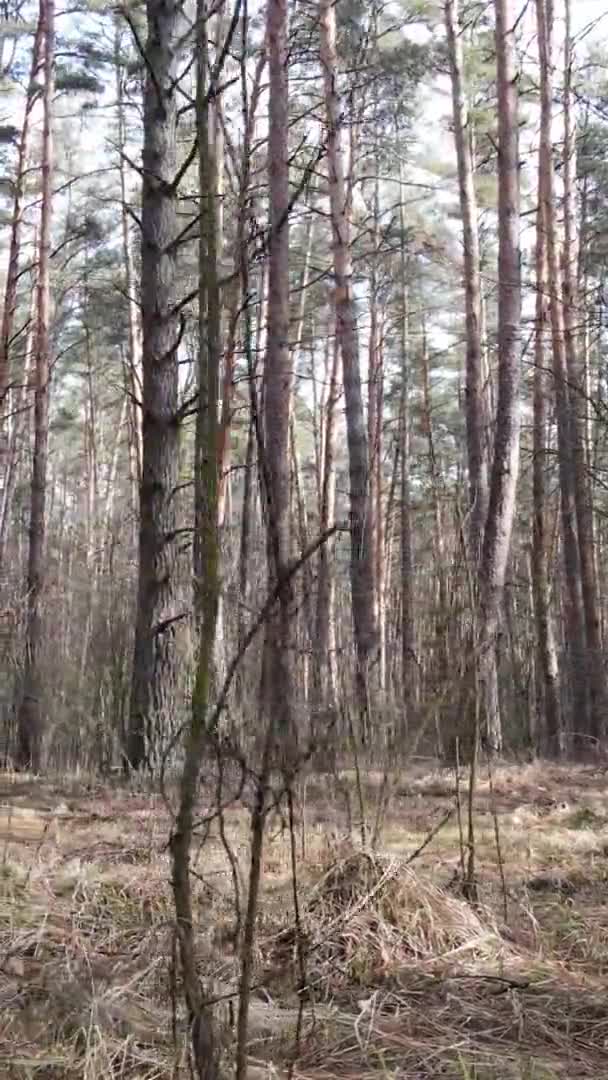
x,y
362,567
30,719
12,275
153,704
505,465
206,562
573,604
474,388
408,635
278,381
596,671
548,690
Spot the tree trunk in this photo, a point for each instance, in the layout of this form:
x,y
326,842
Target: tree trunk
x,y
325,635
409,666
548,692
474,390
362,568
206,563
135,380
278,382
575,626
505,465
12,275
153,704
579,405
30,719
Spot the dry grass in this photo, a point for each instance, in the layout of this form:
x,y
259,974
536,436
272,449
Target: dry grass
x,y
403,977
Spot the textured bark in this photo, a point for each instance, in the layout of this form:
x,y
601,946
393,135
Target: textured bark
x,y
505,464
30,719
206,565
134,358
408,635
18,431
596,671
548,690
474,389
325,631
362,567
152,705
573,606
278,381
12,275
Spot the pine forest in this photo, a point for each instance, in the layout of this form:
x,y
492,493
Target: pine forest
x,y
304,539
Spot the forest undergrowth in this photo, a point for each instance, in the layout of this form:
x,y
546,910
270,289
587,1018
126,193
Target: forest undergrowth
x,y
386,971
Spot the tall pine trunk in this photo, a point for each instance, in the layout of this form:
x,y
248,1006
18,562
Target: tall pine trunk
x,y
505,464
548,694
30,717
12,275
573,601
153,701
362,565
278,382
596,672
474,388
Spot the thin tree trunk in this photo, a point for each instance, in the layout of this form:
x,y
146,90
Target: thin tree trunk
x,y
408,634
505,465
547,667
579,405
362,568
206,563
276,690
135,382
474,390
20,427
30,719
325,635
278,378
573,606
12,275
152,713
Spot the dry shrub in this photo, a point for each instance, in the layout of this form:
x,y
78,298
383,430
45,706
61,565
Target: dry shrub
x,y
371,915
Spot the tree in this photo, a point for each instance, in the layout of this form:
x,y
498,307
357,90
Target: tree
x,y
505,464
574,621
362,567
30,718
153,703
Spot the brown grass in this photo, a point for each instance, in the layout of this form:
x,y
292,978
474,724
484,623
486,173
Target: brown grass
x,y
403,977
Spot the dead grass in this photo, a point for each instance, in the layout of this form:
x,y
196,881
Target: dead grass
x,y
403,977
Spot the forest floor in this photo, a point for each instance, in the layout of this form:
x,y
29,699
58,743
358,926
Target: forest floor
x,y
404,978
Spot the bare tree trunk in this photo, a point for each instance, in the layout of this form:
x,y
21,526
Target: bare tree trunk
x,y
278,378
575,626
206,562
474,391
325,635
30,719
19,428
409,667
153,705
362,569
548,691
276,691
135,382
12,275
505,465
579,405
